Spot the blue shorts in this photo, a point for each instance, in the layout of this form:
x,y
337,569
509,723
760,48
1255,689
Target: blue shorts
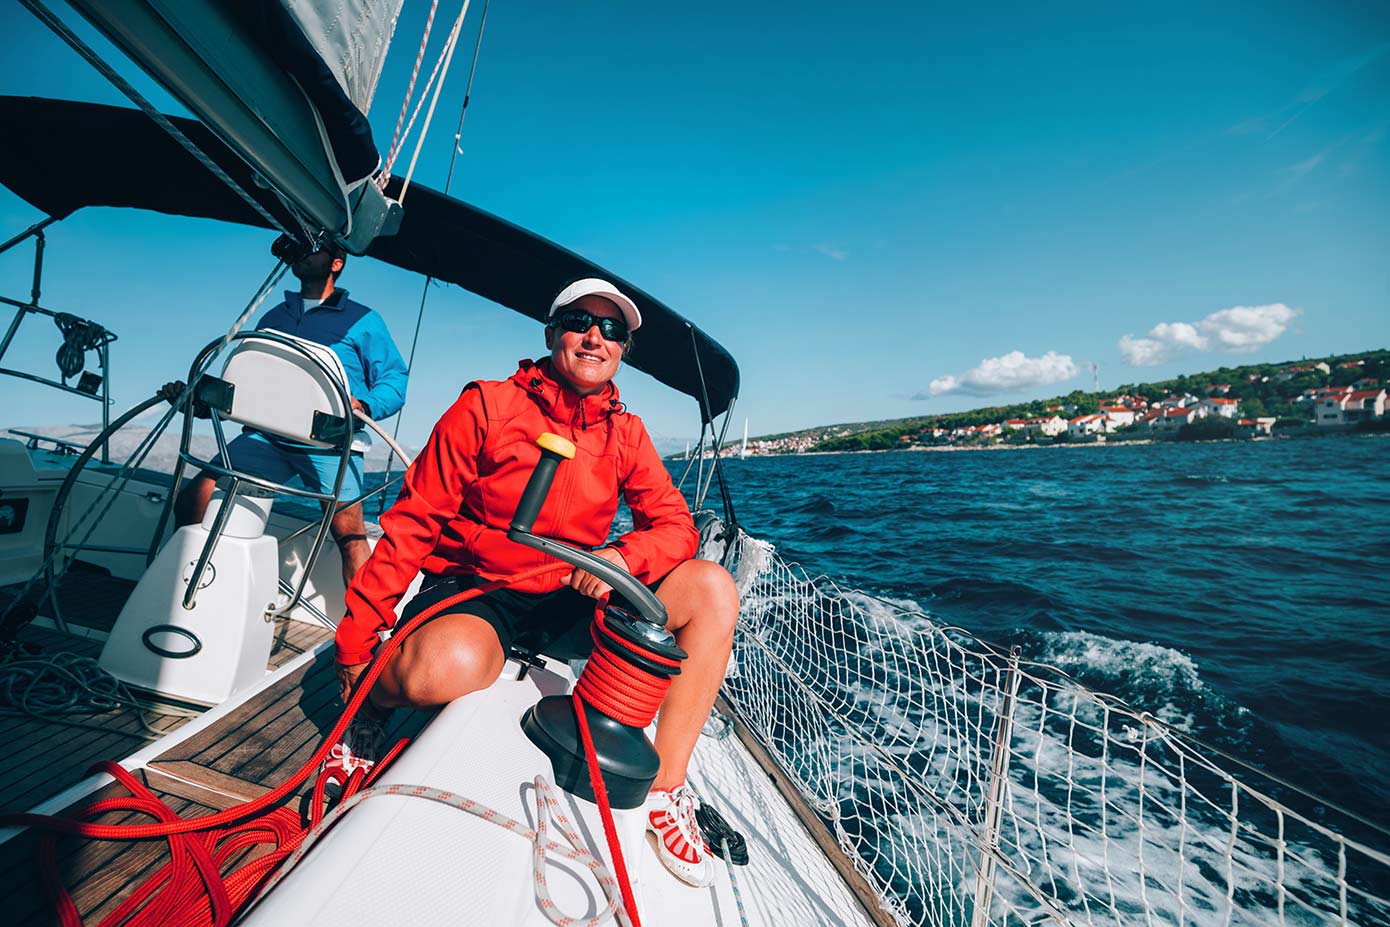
x,y
257,455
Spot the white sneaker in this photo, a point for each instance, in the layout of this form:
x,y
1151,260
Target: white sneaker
x,y
360,748
682,849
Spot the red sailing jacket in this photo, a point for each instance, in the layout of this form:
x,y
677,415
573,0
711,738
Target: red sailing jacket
x,y
459,496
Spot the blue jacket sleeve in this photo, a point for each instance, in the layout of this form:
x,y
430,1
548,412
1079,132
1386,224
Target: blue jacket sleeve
x,y
383,367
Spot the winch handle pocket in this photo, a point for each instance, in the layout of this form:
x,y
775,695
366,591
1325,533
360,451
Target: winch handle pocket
x,y
553,450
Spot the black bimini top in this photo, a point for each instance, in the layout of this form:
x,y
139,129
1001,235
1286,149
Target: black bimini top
x,y
61,156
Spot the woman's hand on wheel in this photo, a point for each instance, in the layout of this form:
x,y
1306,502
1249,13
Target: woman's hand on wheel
x,y
587,583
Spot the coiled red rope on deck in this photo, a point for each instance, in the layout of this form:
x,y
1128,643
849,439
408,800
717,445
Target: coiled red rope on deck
x,y
220,898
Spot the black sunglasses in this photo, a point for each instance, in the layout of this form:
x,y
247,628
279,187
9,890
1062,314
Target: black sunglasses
x,y
577,320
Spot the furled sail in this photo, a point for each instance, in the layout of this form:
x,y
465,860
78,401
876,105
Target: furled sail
x,y
46,161
351,38
284,83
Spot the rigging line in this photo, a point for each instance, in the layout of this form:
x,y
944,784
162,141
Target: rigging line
x,y
718,470
46,16
709,411
424,292
434,101
690,461
409,93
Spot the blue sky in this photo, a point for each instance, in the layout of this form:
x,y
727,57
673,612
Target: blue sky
x,y
886,211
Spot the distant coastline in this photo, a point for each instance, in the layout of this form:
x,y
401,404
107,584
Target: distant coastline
x,y
1295,399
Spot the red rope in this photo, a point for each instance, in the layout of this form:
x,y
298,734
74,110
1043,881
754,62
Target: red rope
x,y
189,891
629,694
199,846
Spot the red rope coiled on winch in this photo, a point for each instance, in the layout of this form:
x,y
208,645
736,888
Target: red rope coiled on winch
x,y
616,686
629,694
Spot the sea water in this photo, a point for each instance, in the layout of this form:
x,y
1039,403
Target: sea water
x,y
1237,590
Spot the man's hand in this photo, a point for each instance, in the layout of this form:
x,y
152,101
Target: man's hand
x,y
589,584
170,392
347,679
357,406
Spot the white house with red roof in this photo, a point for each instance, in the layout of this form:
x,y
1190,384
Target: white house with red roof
x,y
1173,419
1084,425
1149,417
1047,426
1217,405
1288,373
1176,401
1255,427
1218,389
1364,404
1330,409
1117,416
1014,424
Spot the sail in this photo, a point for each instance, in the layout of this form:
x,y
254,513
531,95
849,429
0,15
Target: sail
x,y
351,38
283,84
46,161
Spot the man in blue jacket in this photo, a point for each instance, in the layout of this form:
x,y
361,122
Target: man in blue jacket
x,y
376,377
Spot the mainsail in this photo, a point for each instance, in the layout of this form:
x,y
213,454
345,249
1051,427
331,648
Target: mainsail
x,y
284,84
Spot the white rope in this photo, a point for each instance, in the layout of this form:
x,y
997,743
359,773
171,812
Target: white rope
x,y
548,809
409,93
435,83
429,116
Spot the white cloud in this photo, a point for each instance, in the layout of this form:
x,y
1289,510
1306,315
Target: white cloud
x,y
1246,328
1239,329
831,251
1013,371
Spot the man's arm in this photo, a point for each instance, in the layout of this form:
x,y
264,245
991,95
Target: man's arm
x,y
430,497
382,367
663,533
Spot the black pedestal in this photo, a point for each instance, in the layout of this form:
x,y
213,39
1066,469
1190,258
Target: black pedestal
x,y
626,758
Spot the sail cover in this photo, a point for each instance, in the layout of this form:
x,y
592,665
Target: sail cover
x,y
284,83
351,38
47,161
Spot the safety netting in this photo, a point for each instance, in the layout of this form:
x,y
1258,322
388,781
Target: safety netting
x,y
971,787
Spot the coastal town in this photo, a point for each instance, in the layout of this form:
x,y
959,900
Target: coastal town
x,y
1313,397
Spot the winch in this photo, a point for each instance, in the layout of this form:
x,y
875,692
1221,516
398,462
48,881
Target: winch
x,y
627,675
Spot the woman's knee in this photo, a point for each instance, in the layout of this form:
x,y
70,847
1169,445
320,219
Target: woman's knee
x,y
445,666
709,591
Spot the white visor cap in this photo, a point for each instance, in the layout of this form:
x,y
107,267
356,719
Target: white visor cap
x,y
593,286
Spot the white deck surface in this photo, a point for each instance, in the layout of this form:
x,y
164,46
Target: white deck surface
x,y
401,860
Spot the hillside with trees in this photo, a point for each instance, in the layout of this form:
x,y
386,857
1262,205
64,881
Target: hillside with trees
x,y
1259,387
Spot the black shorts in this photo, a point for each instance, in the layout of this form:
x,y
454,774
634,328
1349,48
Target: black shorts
x,y
554,622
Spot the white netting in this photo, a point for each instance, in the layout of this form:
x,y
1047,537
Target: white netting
x,y
971,788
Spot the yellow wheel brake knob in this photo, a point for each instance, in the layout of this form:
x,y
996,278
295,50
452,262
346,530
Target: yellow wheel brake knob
x,y
549,441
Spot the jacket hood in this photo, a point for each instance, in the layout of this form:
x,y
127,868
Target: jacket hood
x,y
560,401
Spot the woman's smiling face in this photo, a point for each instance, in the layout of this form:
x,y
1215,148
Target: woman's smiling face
x,y
586,360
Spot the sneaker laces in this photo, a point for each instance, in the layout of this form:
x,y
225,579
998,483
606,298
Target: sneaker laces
x,y
683,806
361,743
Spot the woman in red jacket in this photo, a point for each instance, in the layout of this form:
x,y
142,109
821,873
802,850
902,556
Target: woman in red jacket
x,y
450,523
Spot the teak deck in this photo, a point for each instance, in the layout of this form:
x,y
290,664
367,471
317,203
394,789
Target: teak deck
x,y
249,750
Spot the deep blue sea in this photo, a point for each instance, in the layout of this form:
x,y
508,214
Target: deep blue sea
x,y
1240,590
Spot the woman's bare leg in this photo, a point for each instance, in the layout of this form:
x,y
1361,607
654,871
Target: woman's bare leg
x,y
443,659
701,610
